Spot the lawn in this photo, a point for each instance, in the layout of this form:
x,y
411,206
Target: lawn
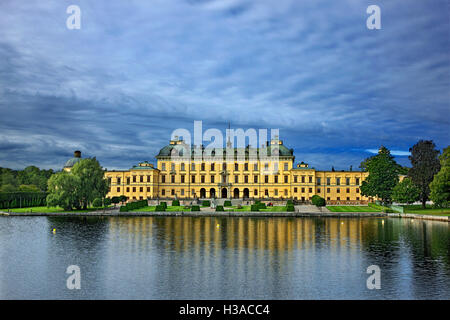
x,y
152,208
352,209
47,210
417,209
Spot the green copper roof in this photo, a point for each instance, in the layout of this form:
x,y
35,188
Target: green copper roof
x,y
167,150
71,162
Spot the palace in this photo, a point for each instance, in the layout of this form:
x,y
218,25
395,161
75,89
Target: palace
x,y
186,177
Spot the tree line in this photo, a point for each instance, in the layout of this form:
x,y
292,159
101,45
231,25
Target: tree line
x,y
30,179
428,178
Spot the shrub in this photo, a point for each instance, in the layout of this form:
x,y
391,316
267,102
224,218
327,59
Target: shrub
x,y
123,209
387,210
254,207
206,203
289,202
175,202
227,203
163,204
318,201
261,205
107,202
290,207
195,208
219,208
160,207
97,203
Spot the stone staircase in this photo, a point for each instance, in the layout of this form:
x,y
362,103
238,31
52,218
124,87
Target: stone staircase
x,y
307,208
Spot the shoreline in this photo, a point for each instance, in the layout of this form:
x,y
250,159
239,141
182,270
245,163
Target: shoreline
x,y
228,214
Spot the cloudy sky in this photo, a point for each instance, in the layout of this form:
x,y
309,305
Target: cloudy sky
x,y
137,70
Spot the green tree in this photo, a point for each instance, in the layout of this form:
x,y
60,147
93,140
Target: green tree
x,y
425,164
106,202
92,182
8,188
115,200
97,203
405,192
123,198
63,190
440,186
383,175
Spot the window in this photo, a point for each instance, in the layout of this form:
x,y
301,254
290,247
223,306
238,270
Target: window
x,y
303,189
236,179
182,192
148,189
328,190
148,178
193,167
173,192
266,166
182,167
163,192
193,179
224,166
318,190
310,179
310,190
255,167
141,179
118,189
163,167
134,189
318,181
141,189
285,192
338,198
255,192
182,179
163,179
118,180
303,179
236,167
172,179
347,181
202,179
295,179
276,192
348,190
357,198
266,192
348,198
245,179
295,190
266,179
338,190
328,181
357,181
212,179
246,166
338,181
357,190
172,167
286,166
212,166
255,179
202,168
134,178
128,180
275,179
328,198
128,189
285,179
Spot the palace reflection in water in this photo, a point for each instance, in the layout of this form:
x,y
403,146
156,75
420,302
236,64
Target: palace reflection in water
x,y
230,258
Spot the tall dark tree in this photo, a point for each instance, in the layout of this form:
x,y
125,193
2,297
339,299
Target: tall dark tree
x,y
425,164
383,175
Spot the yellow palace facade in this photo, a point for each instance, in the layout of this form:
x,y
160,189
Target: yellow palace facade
x,y
186,177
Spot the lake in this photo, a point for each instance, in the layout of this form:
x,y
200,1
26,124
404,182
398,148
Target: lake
x,y
223,258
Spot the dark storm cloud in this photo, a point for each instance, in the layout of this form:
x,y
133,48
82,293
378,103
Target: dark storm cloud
x,y
137,70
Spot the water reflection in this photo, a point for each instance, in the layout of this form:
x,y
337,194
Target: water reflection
x,y
225,258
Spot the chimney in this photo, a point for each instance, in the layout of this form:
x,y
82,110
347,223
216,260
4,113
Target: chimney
x,y
77,154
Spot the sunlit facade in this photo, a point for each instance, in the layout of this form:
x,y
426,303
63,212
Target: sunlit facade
x,y
185,177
